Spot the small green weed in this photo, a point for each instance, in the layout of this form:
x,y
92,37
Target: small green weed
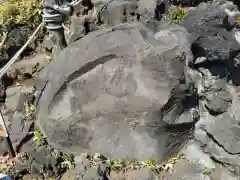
x,y
176,14
29,110
206,171
124,165
238,20
3,170
65,161
38,137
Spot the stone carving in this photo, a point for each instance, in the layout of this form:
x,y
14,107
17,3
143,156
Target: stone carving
x,y
56,12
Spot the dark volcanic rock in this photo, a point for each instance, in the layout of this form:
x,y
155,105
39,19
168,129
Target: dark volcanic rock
x,y
161,8
237,3
219,134
17,97
16,38
213,87
109,100
207,21
19,134
39,162
20,129
212,40
216,60
216,48
219,51
189,3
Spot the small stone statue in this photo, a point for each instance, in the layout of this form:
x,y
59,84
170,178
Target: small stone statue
x,y
42,162
55,14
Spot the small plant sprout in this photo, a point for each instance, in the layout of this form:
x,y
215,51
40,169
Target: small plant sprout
x,y
96,157
38,138
66,161
206,171
29,110
238,20
151,164
115,165
124,165
176,14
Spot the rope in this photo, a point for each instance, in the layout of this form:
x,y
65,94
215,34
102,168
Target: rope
x,y
14,58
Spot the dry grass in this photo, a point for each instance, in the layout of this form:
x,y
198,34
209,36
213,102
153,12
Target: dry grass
x,y
126,165
14,12
6,162
238,20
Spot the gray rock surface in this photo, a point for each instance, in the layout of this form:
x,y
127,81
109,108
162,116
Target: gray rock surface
x,y
17,97
20,129
16,38
109,101
28,66
127,92
213,87
120,11
206,21
217,129
219,134
212,39
48,42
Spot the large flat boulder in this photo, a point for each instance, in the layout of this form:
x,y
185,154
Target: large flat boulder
x,y
105,92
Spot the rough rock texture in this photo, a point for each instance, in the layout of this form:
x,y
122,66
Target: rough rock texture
x,y
188,3
105,93
40,163
16,38
220,134
208,21
127,92
17,97
28,67
117,12
214,90
17,125
19,129
216,57
212,40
